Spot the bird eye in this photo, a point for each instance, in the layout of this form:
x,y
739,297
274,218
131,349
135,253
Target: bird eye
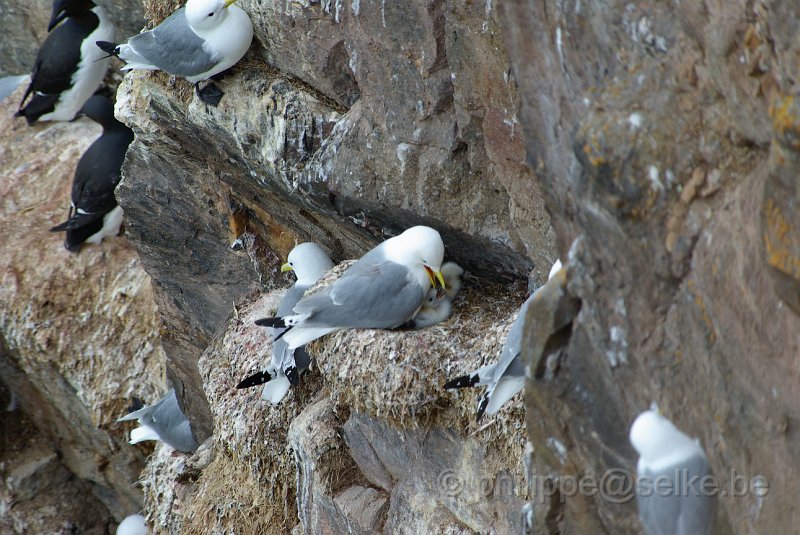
x,y
210,14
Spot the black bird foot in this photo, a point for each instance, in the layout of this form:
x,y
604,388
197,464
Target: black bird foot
x,y
210,94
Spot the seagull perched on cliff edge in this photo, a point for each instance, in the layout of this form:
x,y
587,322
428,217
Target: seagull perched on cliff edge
x,y
310,263
671,492
94,213
197,42
68,68
506,377
163,420
382,290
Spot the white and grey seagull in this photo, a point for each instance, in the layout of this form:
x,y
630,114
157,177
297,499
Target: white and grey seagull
x,y
164,421
504,378
382,290
673,490
438,304
197,42
309,262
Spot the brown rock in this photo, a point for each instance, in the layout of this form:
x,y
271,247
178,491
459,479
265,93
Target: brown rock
x,y
79,331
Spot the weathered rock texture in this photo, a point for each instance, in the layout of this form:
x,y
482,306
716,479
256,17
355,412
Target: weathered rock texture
x,y
78,333
23,24
360,446
377,117
665,138
662,138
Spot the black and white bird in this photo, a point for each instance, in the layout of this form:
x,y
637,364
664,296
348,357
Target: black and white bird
x,y
309,262
197,42
94,213
68,68
438,304
163,420
382,290
674,491
506,377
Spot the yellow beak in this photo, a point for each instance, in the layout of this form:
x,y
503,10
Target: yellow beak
x,y
229,2
437,274
286,266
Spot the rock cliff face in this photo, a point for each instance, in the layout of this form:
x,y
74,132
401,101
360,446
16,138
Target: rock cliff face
x,y
665,140
660,138
79,336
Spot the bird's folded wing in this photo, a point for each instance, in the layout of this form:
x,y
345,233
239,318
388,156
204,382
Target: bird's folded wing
x,y
173,47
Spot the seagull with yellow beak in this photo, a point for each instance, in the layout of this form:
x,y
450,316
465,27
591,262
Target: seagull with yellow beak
x,y
197,42
384,289
309,262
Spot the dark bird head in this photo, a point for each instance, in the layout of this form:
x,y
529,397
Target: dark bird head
x,y
68,8
100,109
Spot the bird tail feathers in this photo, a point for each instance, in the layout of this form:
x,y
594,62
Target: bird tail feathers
x,y
140,434
275,390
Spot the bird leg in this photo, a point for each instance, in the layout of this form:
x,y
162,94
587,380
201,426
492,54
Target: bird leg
x,y
210,94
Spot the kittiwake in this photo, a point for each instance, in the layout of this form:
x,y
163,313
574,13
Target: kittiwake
x,y
309,262
382,290
163,421
68,68
674,490
94,213
506,377
197,42
132,525
438,304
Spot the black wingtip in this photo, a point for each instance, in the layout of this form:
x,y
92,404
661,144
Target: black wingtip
x,y
109,48
482,404
135,405
292,375
254,380
275,322
465,381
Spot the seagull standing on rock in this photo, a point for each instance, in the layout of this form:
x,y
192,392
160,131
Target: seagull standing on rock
x,y
309,262
163,420
94,213
506,377
384,289
197,42
68,68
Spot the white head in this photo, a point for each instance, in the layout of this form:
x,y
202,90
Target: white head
x,y
205,15
309,262
452,273
555,269
418,248
132,525
654,437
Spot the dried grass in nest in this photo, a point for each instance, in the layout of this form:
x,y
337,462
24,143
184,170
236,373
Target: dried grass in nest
x,y
155,11
251,434
230,499
397,376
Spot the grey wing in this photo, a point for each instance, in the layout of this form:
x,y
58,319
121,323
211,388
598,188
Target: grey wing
x,y
168,420
509,363
374,296
698,509
173,47
281,354
680,508
658,511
